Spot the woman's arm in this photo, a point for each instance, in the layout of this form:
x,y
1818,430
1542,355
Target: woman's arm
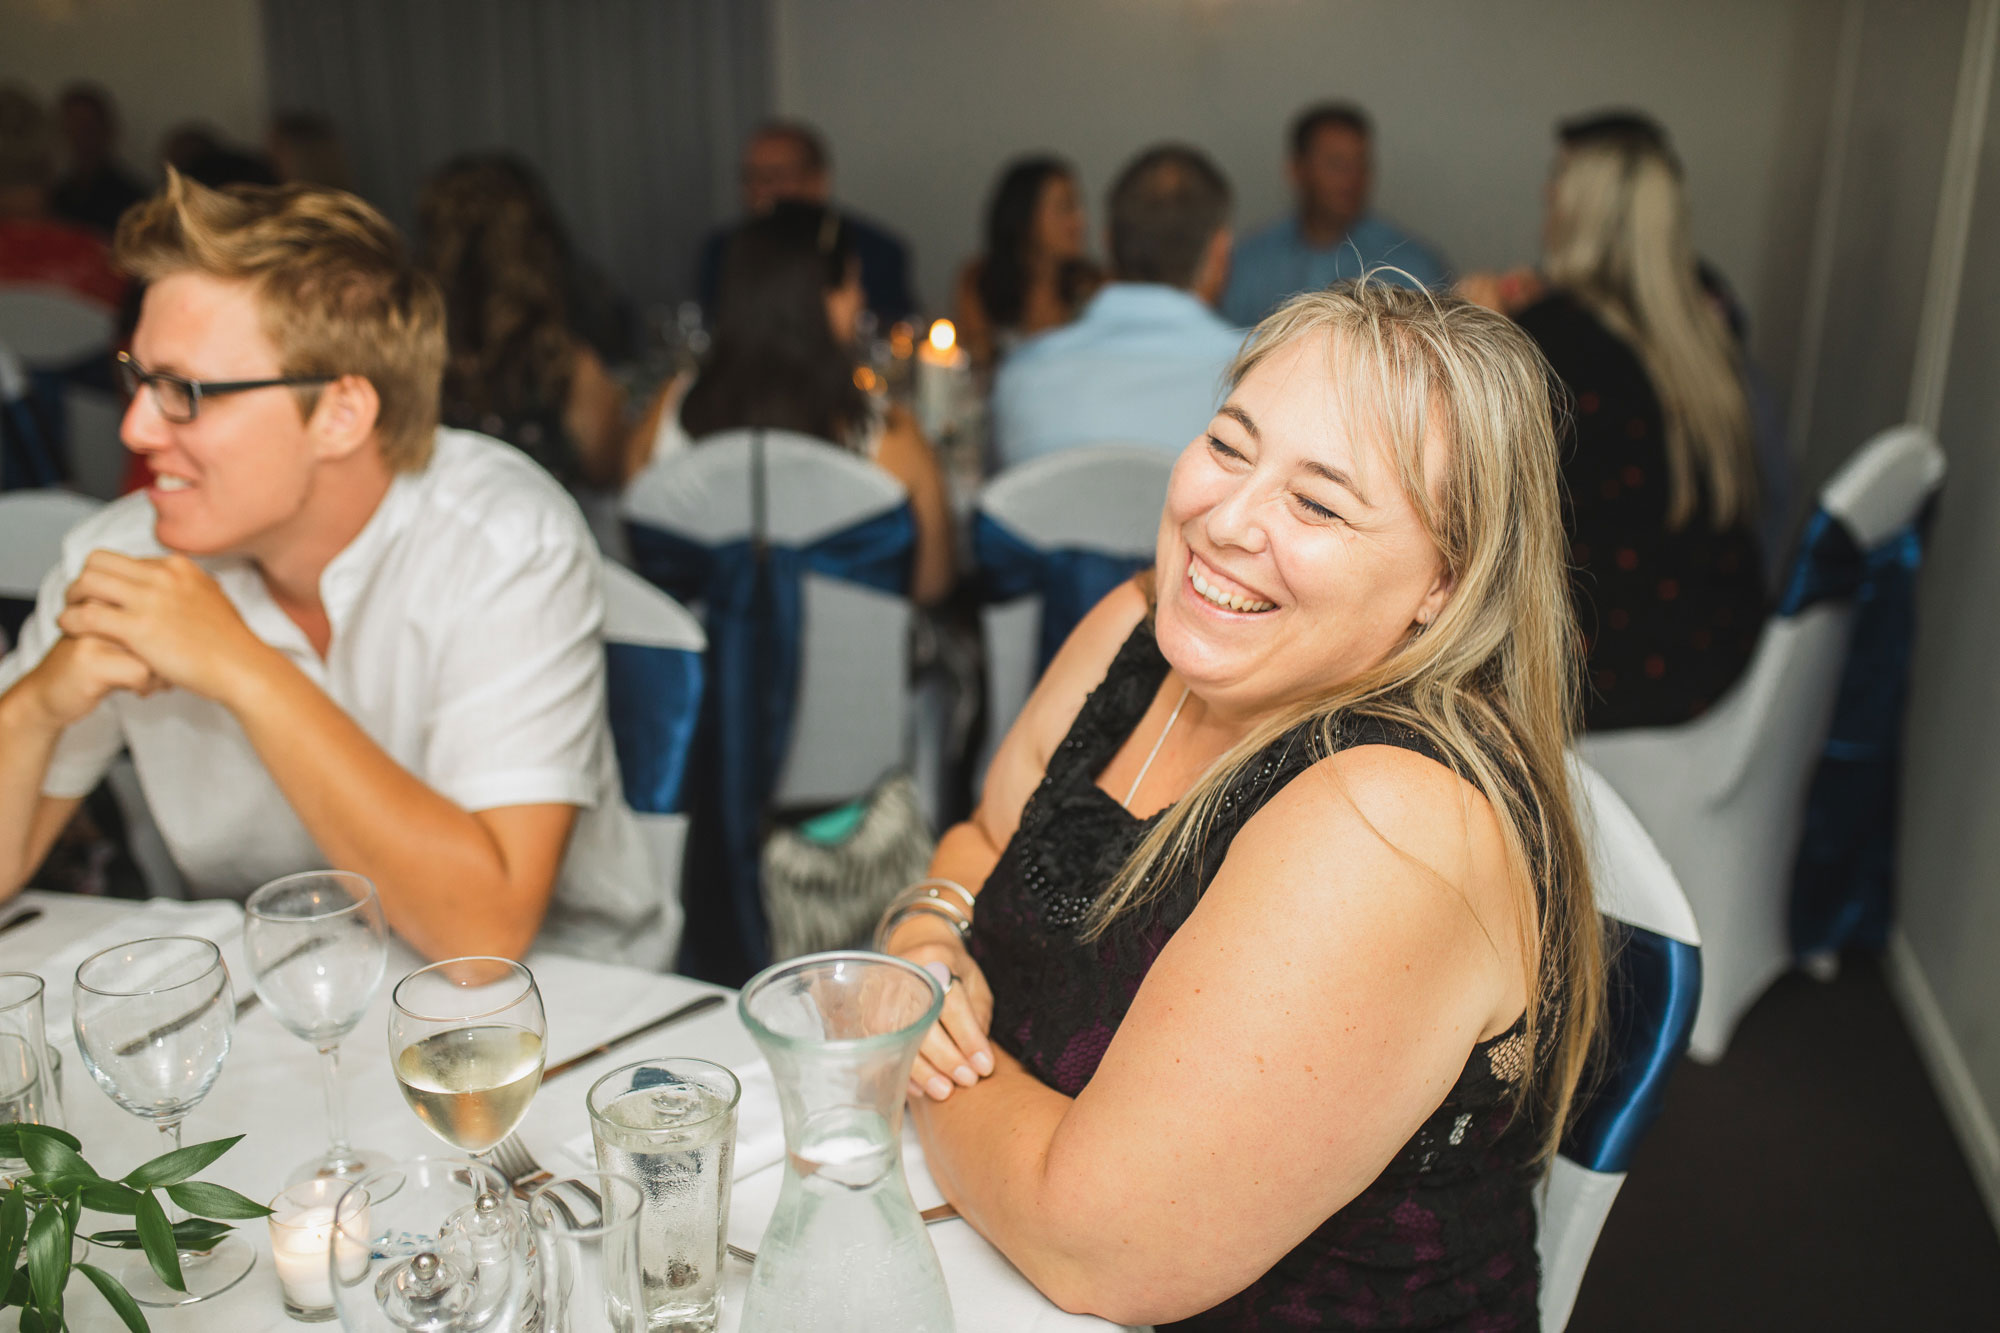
x,y
1318,1004
907,456
594,416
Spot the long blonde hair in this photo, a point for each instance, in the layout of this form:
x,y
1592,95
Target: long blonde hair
x,y
1493,681
1618,241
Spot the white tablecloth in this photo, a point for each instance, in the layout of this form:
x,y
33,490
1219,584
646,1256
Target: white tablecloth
x,y
270,1091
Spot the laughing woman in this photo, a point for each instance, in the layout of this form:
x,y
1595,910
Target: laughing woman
x,y
1284,963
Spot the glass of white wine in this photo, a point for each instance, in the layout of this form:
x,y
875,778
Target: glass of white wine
x,y
466,1038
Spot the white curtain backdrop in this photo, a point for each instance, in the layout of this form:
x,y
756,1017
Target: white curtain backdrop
x,y
634,110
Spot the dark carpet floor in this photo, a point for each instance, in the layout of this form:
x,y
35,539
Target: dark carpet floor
x,y
1809,1181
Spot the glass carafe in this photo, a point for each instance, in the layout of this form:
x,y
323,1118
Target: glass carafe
x,y
845,1252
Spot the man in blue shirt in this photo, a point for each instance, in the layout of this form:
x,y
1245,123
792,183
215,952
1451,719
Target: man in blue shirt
x,y
1333,236
1144,362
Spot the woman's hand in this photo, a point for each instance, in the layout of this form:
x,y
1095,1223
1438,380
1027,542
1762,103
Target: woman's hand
x,y
955,1052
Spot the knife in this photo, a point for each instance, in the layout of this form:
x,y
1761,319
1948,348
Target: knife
x,y
700,1005
20,919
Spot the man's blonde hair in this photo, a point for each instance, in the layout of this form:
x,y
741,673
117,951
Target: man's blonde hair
x,y
339,292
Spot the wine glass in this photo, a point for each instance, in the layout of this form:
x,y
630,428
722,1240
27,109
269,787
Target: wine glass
x,y
432,1244
153,1022
466,1036
317,946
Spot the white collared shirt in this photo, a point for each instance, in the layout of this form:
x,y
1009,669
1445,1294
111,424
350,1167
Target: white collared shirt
x,y
467,642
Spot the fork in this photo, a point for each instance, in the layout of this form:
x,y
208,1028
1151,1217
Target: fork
x,y
524,1174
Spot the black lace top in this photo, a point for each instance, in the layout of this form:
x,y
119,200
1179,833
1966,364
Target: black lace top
x,y
1445,1237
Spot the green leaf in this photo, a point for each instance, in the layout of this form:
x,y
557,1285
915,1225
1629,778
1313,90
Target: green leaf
x,y
50,1157
10,1138
108,1196
193,1234
19,1290
32,1322
157,1238
198,1196
171,1168
117,1297
13,1228
48,1259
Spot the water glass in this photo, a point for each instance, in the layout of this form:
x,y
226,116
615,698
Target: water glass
x,y
671,1126
317,945
28,1087
154,1020
587,1246
466,1037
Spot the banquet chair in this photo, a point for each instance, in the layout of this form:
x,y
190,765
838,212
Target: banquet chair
x,y
1051,537
830,535
1654,969
1725,796
32,525
653,681
54,332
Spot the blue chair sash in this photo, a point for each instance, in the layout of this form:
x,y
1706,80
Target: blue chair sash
x,y
1069,580
654,697
1655,989
30,452
752,599
1843,879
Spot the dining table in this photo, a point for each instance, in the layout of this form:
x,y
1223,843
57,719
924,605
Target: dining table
x,y
270,1091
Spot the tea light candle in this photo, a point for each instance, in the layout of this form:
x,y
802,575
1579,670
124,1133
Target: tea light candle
x,y
301,1239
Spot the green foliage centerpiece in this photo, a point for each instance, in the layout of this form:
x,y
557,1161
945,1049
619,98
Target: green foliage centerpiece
x,y
40,1209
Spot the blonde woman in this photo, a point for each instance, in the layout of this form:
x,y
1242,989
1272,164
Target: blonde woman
x,y
1660,470
1282,960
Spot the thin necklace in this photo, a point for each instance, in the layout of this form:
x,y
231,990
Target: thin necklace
x,y
1147,767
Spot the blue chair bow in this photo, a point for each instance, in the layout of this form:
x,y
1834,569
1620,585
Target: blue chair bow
x,y
1655,988
654,697
752,602
1842,880
1069,580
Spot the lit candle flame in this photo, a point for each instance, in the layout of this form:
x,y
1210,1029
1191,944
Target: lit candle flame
x,y
943,336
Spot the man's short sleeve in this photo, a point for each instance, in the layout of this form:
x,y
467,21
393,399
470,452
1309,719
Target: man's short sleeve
x,y
520,684
87,747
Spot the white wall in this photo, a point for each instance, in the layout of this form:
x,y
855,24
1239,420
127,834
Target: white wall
x,y
923,100
1949,954
165,62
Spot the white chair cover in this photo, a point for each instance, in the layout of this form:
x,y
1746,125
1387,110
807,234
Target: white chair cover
x,y
654,680
1724,795
1654,981
1105,499
52,327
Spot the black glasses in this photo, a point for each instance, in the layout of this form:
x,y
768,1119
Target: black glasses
x,y
179,398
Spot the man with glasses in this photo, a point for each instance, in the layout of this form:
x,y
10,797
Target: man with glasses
x,y
329,632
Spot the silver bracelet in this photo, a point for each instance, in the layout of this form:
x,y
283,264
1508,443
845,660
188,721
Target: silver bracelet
x,y
933,885
898,912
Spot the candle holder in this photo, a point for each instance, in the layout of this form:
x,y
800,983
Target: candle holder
x,y
301,1243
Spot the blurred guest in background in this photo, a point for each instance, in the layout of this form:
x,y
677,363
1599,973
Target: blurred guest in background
x,y
96,188
200,152
1333,235
787,159
1144,361
305,147
783,359
1661,478
516,370
1034,274
35,245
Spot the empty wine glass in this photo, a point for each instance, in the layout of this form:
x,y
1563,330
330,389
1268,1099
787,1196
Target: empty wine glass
x,y
27,1080
317,946
153,1022
466,1039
